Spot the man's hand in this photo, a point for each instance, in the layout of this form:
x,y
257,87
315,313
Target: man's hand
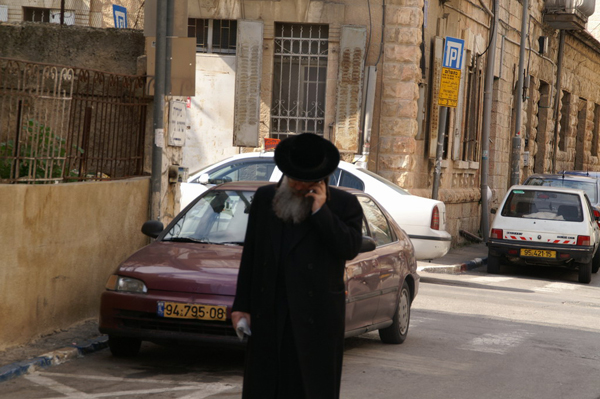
x,y
237,316
319,195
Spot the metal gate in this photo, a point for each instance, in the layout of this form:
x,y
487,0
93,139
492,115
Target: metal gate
x,y
60,124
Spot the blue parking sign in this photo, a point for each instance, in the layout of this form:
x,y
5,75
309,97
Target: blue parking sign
x,y
453,53
120,16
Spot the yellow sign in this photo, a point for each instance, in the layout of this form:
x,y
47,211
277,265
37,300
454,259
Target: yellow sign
x,y
449,88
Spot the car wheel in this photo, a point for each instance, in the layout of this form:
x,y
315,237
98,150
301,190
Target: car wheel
x,y
596,261
398,331
585,272
493,264
124,346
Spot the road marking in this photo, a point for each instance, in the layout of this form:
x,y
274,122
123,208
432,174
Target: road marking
x,y
202,390
556,287
55,386
496,343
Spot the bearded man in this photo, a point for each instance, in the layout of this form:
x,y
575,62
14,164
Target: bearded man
x,y
290,285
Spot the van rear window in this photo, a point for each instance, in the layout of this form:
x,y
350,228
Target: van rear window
x,y
540,204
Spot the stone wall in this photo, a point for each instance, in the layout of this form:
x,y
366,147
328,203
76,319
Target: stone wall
x,y
60,243
109,50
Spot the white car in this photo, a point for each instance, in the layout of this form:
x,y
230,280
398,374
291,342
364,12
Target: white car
x,y
546,226
423,219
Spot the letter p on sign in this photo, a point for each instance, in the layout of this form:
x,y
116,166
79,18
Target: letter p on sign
x,y
453,53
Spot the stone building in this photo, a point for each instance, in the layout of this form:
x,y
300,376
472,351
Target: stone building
x,y
93,13
380,95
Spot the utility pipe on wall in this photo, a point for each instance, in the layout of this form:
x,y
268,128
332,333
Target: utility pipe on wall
x,y
158,114
486,122
516,140
561,49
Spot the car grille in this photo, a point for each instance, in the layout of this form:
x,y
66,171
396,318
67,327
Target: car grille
x,y
149,321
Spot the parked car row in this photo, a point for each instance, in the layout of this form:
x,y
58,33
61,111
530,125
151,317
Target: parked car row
x,y
423,219
550,220
180,288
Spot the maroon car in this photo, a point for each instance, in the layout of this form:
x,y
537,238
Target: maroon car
x,y
180,288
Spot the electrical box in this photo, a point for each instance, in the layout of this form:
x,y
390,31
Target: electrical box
x,y
525,158
178,174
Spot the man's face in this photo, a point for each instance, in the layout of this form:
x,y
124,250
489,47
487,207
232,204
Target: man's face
x,y
299,188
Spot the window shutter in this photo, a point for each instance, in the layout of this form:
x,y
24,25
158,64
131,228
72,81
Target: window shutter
x,y
247,83
349,94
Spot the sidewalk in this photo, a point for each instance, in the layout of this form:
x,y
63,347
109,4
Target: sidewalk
x,y
84,338
457,260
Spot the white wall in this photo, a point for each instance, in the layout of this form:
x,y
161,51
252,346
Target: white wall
x,y
210,117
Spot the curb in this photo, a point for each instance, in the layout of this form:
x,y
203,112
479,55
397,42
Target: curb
x,y
455,269
53,358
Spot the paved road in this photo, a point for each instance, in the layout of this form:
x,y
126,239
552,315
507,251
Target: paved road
x,y
531,333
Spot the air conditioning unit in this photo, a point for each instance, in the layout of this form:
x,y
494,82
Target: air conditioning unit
x,y
69,17
568,14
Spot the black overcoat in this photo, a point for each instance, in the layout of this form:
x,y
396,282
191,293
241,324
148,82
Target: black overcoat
x,y
314,277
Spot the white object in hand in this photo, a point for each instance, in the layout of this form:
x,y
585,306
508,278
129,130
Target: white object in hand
x,y
243,328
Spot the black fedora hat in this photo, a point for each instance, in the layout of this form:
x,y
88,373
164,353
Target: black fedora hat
x,y
306,157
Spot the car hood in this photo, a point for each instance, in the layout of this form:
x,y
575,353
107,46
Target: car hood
x,y
185,267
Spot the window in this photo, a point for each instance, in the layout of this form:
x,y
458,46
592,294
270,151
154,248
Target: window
x,y
34,14
545,205
241,171
473,110
581,130
544,114
299,78
376,221
565,110
345,179
217,36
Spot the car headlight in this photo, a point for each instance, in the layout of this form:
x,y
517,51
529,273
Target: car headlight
x,y
125,284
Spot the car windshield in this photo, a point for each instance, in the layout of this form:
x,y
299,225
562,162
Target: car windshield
x,y
385,181
219,217
588,186
540,204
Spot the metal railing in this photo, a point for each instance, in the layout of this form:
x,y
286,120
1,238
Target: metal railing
x,y
60,124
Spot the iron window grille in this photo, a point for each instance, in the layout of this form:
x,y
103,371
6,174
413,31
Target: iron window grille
x,y
217,36
299,79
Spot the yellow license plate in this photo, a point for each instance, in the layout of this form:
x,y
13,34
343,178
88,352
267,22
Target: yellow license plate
x,y
190,311
538,253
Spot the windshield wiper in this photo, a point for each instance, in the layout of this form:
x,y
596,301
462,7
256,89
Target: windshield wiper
x,y
230,243
188,239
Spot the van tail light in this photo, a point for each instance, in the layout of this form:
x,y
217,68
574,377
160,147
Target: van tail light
x,y
497,233
435,218
584,240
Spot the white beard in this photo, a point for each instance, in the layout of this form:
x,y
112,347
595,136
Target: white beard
x,y
290,207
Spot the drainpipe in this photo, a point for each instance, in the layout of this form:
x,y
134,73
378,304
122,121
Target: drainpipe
x,y
516,140
159,105
486,122
561,47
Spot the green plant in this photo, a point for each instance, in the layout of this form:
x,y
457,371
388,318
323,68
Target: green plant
x,y
41,149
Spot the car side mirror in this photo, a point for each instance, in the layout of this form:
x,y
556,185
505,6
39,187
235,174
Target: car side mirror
x,y
493,211
368,244
152,228
203,179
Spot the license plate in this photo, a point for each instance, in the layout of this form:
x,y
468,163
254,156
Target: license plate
x,y
190,311
538,253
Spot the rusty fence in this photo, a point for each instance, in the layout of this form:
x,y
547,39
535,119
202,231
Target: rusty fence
x,y
61,124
